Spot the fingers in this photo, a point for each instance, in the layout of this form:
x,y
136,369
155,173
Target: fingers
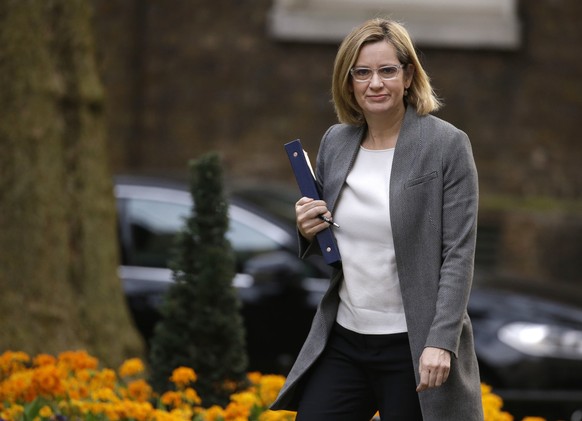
x,y
307,212
434,368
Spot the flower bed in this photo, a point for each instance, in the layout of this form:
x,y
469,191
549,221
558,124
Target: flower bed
x,y
72,386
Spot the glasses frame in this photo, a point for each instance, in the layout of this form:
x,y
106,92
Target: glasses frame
x,y
375,71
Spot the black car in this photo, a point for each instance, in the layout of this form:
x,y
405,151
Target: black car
x,y
529,349
279,292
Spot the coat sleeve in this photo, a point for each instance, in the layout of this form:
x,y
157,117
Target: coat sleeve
x,y
459,228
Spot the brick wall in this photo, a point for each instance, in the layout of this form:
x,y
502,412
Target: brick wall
x,y
184,77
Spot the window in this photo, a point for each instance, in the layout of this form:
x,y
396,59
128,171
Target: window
x,y
443,23
153,226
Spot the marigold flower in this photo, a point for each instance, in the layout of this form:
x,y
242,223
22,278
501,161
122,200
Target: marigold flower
x,y
104,395
44,359
248,399
269,415
182,414
236,412
213,413
13,413
46,411
75,389
192,396
182,376
131,367
269,388
139,390
11,362
171,398
77,360
254,377
47,381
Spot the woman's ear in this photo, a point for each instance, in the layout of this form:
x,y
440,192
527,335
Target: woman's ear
x,y
408,75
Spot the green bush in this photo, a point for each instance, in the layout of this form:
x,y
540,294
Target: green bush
x,y
201,324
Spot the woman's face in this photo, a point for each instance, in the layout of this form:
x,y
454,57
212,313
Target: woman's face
x,y
378,96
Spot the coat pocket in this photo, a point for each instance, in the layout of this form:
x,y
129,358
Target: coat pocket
x,y
422,179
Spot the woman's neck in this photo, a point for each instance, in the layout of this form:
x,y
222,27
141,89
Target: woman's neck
x,y
383,131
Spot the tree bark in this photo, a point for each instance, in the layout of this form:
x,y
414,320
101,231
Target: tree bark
x,y
58,249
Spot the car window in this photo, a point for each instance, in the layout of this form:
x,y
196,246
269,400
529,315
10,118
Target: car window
x,y
153,226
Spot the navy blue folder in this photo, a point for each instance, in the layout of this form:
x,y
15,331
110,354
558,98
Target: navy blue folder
x,y
308,187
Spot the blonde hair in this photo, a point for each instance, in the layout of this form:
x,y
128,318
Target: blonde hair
x,y
420,93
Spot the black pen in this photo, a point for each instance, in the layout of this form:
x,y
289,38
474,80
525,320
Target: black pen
x,y
329,221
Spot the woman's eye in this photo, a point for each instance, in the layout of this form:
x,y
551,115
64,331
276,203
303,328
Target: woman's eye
x,y
363,72
388,71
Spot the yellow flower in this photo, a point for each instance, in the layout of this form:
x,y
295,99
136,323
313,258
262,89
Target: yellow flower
x,y
182,376
131,367
213,413
139,390
104,395
533,419
492,405
46,411
47,381
269,415
171,398
192,396
236,412
11,362
182,414
13,413
77,360
247,399
269,388
44,359
254,377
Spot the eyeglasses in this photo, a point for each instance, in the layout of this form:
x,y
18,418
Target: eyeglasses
x,y
365,74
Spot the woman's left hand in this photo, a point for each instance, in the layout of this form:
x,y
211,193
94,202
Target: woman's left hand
x,y
434,368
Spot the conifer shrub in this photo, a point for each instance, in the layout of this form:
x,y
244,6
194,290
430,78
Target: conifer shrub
x,y
201,325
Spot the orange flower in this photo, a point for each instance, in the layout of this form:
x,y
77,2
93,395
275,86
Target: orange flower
x,y
254,377
47,381
182,376
131,367
44,359
77,360
11,362
139,390
213,413
246,399
45,412
269,388
533,419
269,415
236,412
171,398
192,396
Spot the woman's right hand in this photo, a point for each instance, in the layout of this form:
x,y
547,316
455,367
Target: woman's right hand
x,y
307,212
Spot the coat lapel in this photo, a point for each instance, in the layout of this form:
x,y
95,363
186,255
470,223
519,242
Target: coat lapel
x,y
350,145
407,150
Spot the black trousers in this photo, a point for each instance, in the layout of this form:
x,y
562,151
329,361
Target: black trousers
x,y
358,375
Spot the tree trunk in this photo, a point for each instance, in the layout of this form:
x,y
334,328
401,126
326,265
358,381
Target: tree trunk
x,y
58,249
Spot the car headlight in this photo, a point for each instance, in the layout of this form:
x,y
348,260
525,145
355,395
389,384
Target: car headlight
x,y
542,340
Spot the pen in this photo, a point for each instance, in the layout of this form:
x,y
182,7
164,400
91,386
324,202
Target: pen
x,y
329,221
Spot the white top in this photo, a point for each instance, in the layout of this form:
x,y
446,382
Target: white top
x,y
370,297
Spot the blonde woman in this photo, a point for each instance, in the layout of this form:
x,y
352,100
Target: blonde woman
x,y
392,333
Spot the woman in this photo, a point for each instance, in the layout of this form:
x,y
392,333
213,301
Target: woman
x,y
392,332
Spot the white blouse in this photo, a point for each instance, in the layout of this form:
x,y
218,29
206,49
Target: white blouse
x,y
370,297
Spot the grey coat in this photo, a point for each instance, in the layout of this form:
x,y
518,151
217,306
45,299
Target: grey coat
x,y
433,210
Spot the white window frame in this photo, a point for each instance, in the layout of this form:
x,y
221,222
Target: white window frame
x,y
435,23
